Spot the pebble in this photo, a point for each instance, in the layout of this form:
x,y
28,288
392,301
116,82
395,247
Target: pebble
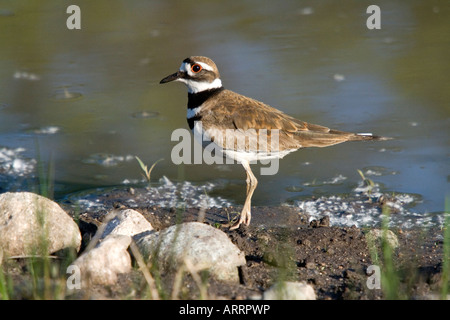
x,y
290,291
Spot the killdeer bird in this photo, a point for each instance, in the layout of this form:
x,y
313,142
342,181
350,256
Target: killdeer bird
x,y
223,116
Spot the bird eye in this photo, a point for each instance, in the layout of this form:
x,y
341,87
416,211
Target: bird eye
x,y
196,68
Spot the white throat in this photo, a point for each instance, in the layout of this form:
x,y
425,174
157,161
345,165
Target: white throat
x,y
196,86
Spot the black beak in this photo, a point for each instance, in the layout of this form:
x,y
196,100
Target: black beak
x,y
172,77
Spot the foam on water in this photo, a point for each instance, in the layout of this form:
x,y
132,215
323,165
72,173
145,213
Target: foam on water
x,y
172,195
364,208
167,195
14,165
12,162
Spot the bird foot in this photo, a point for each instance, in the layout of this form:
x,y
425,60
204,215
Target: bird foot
x,y
244,218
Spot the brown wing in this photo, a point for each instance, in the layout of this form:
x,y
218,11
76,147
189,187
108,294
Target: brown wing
x,y
248,113
239,112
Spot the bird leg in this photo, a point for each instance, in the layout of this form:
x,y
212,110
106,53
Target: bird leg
x,y
251,186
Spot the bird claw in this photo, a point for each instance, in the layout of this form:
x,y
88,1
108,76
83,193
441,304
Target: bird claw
x,y
244,218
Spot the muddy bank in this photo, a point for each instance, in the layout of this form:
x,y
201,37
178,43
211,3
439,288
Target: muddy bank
x,y
284,244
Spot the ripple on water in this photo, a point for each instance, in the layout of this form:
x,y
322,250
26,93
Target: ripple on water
x,y
48,130
65,94
145,114
106,159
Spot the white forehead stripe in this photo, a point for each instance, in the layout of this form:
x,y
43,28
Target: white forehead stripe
x,y
184,66
205,66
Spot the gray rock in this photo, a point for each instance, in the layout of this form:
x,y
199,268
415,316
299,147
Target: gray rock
x,y
377,235
290,291
204,247
30,222
103,263
127,222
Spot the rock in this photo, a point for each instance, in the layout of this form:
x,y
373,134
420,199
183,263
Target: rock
x,y
377,235
290,291
323,222
127,222
30,223
203,246
103,263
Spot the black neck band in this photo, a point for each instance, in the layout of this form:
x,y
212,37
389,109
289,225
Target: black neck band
x,y
196,99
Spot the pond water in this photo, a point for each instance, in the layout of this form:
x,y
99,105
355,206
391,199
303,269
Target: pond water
x,y
83,103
